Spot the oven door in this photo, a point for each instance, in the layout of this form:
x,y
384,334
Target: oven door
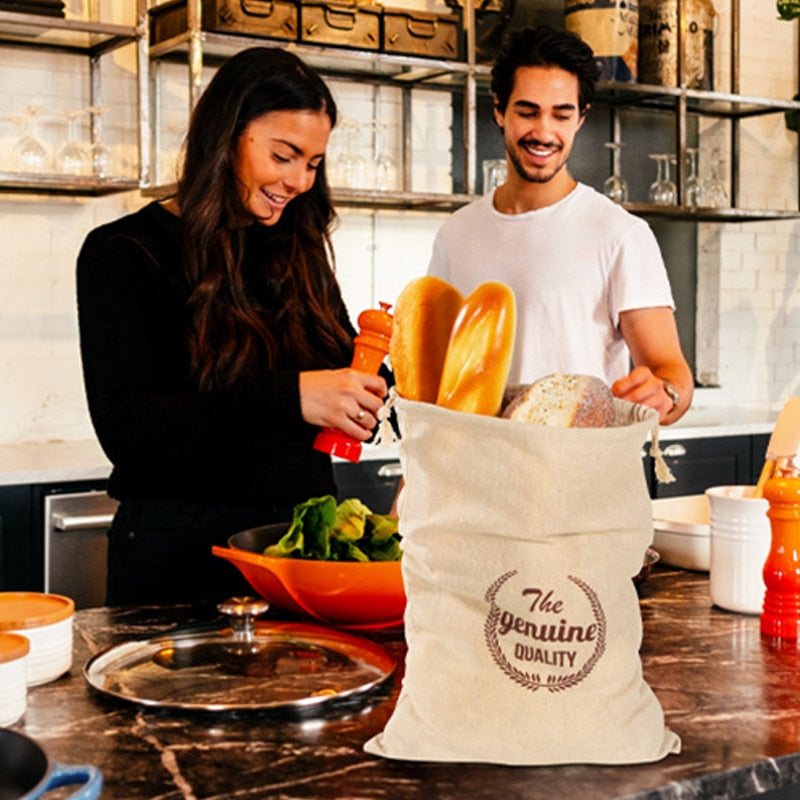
x,y
76,545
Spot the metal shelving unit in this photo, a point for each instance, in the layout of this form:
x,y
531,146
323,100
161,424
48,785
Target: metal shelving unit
x,y
682,103
78,185
196,47
89,40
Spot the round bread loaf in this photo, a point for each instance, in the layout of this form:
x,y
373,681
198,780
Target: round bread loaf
x,y
570,401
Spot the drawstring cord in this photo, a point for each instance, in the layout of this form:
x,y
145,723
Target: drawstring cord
x,y
386,436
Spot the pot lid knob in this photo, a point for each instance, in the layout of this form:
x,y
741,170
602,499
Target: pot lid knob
x,y
243,612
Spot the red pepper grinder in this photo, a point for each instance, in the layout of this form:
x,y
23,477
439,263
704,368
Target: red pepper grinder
x,y
371,347
780,617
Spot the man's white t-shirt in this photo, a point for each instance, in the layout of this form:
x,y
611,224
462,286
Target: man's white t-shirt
x,y
573,267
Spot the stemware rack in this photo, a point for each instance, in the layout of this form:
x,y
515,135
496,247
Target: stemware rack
x,y
90,40
196,47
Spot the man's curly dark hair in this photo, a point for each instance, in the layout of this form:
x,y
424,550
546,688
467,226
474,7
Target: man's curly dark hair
x,y
544,46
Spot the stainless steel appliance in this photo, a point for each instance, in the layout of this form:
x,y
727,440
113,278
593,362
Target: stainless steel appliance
x,y
76,545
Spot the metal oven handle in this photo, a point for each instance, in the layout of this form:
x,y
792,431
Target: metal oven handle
x,y
81,522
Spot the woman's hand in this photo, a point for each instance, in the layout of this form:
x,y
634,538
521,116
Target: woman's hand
x,y
346,399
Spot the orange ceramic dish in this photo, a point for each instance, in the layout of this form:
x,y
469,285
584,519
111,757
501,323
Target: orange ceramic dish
x,y
345,594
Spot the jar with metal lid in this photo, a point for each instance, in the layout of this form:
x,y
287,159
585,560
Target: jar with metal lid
x,y
14,650
658,43
45,620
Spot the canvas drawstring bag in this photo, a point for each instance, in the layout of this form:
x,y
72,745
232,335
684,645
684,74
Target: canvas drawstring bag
x,y
522,621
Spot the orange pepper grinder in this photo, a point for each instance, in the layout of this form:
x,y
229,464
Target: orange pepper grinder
x,y
780,617
371,347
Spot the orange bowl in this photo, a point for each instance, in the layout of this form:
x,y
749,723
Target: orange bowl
x,y
346,594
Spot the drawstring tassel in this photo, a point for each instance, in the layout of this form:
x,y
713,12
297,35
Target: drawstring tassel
x,y
663,472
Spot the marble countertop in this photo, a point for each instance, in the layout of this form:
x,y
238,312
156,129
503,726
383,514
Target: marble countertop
x,y
733,697
52,461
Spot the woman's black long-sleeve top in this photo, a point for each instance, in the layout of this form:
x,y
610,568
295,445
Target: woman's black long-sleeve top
x,y
245,446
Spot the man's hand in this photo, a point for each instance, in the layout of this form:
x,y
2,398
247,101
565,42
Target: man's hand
x,y
642,386
652,339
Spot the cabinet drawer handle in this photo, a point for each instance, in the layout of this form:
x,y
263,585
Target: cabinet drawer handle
x,y
388,471
674,451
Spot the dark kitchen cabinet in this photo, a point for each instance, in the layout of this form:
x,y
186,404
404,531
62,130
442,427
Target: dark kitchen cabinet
x,y
698,464
22,531
758,454
20,554
373,482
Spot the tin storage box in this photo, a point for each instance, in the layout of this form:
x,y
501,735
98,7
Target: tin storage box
x,y
341,24
277,19
422,33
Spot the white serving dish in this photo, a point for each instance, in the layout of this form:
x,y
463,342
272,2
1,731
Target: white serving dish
x,y
45,620
681,531
13,677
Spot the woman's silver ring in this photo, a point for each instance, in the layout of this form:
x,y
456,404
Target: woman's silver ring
x,y
360,414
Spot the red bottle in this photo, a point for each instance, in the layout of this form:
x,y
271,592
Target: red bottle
x,y
371,347
780,617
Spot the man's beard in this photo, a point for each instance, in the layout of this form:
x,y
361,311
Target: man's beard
x,y
536,177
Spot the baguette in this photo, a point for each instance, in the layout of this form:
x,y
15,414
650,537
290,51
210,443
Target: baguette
x,y
423,319
479,353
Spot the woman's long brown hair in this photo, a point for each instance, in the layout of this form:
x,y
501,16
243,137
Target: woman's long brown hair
x,y
231,332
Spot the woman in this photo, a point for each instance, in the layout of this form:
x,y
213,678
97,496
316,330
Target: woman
x,y
214,338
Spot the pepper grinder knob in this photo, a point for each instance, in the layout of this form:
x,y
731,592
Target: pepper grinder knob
x,y
780,617
370,348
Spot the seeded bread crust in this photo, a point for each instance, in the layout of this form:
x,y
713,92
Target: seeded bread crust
x,y
570,401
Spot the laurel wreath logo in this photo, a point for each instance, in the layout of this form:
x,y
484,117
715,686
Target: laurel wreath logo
x,y
531,680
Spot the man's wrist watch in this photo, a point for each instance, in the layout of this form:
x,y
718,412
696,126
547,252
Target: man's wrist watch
x,y
672,392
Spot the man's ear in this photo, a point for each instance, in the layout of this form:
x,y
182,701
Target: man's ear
x,y
498,116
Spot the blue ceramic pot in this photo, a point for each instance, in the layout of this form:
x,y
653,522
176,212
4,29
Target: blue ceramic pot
x,y
27,772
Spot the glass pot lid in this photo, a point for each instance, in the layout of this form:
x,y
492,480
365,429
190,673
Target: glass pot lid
x,y
248,666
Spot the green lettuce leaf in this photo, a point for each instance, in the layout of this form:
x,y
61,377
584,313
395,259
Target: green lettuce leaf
x,y
323,531
309,534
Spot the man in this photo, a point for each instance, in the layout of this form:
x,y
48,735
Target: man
x,y
591,287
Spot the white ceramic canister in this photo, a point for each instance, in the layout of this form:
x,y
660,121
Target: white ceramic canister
x,y
740,542
13,677
45,620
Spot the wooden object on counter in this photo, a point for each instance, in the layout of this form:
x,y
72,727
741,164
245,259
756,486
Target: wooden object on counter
x,y
783,444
